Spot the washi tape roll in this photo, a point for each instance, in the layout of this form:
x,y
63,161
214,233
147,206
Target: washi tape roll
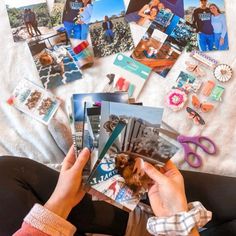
x,y
223,72
79,48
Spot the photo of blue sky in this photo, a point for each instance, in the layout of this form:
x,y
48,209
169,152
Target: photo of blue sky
x,y
196,3
108,8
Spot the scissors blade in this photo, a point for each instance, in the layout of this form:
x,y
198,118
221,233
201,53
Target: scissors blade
x,y
168,133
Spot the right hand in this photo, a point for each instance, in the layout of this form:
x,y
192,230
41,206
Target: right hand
x,y
167,194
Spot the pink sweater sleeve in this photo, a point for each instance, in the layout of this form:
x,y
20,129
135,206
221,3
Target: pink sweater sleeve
x,y
42,222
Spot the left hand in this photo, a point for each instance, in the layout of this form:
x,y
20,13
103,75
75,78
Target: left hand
x,y
68,192
79,22
222,41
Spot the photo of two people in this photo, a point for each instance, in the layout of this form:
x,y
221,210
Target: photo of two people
x,y
28,20
209,21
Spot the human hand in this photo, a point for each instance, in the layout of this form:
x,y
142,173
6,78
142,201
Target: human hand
x,y
68,192
222,41
167,194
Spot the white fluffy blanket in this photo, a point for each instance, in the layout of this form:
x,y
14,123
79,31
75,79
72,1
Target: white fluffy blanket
x,y
23,136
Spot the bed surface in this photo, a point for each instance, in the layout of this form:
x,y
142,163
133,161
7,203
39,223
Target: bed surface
x,y
25,137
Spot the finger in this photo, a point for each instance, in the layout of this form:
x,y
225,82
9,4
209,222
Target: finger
x,y
153,173
69,160
170,166
82,159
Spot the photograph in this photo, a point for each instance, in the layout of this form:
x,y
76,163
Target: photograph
x,y
158,51
29,20
144,12
75,16
209,21
55,61
109,31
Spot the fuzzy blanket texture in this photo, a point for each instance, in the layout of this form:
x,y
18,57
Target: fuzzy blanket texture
x,y
25,137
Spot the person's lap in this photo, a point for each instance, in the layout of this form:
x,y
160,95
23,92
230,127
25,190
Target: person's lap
x,y
24,182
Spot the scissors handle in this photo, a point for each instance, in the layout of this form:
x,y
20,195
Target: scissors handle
x,y
191,157
206,144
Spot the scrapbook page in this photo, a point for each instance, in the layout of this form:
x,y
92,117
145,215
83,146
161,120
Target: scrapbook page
x,y
163,42
128,135
29,20
127,75
34,101
109,31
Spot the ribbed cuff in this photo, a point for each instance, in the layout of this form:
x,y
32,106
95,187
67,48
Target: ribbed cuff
x,y
48,222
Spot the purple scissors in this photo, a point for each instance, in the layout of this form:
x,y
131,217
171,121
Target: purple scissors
x,y
191,157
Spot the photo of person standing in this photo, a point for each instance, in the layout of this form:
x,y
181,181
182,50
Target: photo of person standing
x,y
108,28
34,22
201,21
218,21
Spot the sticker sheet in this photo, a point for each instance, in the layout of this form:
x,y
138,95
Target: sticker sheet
x,y
109,31
34,101
127,75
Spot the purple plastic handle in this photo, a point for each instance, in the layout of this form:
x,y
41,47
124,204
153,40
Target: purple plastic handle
x,y
197,140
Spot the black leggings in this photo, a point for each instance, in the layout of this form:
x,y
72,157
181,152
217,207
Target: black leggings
x,y
24,182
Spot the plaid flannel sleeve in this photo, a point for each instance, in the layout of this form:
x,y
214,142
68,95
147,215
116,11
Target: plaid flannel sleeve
x,y
181,223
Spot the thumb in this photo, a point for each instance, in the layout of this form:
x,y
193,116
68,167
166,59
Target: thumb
x,y
153,173
82,159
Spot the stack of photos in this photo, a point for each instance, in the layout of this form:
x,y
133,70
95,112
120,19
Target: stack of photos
x,y
34,101
109,31
206,18
48,42
128,135
163,42
85,123
127,75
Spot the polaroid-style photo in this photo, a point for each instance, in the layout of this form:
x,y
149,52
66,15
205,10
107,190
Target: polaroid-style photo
x,y
209,21
188,83
29,20
127,75
74,17
144,12
109,31
34,101
55,61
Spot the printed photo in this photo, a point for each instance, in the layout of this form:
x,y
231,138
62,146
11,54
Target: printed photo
x,y
158,51
188,83
55,61
109,31
209,21
144,12
74,17
29,20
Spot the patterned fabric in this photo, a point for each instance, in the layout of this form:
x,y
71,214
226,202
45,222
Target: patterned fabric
x,y
181,223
